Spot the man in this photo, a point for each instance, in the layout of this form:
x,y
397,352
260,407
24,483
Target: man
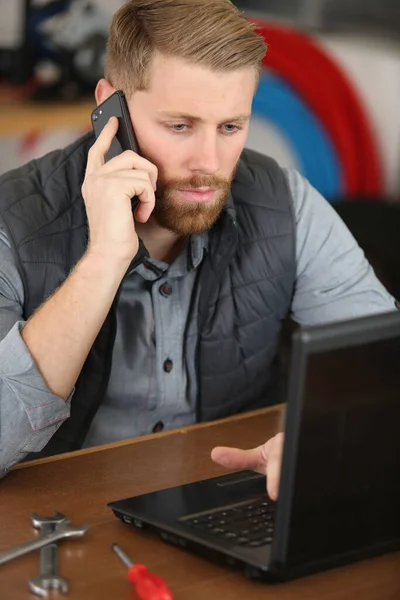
x,y
99,346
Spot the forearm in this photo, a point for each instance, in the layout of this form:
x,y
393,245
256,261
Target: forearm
x,y
60,334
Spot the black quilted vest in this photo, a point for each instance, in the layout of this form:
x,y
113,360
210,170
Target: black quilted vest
x,y
246,280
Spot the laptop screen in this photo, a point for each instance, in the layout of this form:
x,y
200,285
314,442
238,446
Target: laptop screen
x,y
345,495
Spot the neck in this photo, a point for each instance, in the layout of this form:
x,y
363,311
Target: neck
x,y
162,244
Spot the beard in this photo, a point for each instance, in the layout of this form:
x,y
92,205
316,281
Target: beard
x,y
186,218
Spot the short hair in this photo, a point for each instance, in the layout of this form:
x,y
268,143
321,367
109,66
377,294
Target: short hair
x,y
208,33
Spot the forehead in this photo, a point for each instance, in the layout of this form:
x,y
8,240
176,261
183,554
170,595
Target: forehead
x,y
179,86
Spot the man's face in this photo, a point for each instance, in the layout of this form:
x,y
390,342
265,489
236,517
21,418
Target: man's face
x,y
192,123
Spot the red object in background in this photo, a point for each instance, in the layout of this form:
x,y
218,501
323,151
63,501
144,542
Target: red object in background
x,y
15,93
29,141
326,90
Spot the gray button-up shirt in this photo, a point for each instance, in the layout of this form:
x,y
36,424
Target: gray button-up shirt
x,y
154,309
333,282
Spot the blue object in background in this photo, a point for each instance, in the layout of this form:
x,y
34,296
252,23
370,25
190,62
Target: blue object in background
x,y
37,16
317,158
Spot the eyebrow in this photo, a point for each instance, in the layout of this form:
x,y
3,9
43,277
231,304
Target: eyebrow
x,y
187,117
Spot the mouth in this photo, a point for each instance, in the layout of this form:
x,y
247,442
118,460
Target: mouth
x,y
198,194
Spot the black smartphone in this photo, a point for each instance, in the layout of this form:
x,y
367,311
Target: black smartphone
x,y
125,139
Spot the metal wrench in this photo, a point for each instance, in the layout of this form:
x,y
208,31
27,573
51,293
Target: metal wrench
x,y
63,530
49,579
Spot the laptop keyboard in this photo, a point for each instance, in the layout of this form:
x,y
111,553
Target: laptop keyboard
x,y
246,524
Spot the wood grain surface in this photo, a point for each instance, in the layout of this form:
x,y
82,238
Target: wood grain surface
x,y
80,485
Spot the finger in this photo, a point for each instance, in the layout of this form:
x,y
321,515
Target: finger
x,y
144,191
131,160
274,467
135,183
236,458
97,153
131,174
145,206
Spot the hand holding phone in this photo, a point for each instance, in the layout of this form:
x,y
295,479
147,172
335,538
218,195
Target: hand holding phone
x,y
125,138
108,188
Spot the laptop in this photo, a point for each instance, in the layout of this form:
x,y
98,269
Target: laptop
x,y
339,497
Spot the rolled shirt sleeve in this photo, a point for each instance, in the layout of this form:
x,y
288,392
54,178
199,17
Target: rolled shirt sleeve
x,y
29,412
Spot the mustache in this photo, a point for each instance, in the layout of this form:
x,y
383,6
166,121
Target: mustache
x,y
198,180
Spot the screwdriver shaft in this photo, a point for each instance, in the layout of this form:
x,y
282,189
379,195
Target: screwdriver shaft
x,y
121,554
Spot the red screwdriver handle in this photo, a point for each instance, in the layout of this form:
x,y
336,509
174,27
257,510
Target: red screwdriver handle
x,y
148,586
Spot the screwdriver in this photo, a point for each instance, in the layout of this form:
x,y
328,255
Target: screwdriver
x,y
148,586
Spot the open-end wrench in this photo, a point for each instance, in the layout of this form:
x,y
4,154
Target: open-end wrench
x,y
63,530
49,579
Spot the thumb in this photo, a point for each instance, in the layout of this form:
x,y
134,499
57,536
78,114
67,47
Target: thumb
x,y
235,458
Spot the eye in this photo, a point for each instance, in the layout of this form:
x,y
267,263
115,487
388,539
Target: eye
x,y
230,128
178,128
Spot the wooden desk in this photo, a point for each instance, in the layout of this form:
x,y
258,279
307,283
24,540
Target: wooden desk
x,y
80,485
24,117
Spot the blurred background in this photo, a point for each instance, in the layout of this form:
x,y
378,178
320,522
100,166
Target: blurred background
x,y
328,103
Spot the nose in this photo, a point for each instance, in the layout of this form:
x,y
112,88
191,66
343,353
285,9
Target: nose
x,y
204,156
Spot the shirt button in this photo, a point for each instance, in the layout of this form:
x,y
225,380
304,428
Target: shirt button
x,y
159,426
168,364
165,290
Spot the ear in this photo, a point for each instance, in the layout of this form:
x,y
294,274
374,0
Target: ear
x,y
104,89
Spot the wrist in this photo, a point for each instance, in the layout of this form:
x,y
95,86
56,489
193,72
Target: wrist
x,y
103,264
